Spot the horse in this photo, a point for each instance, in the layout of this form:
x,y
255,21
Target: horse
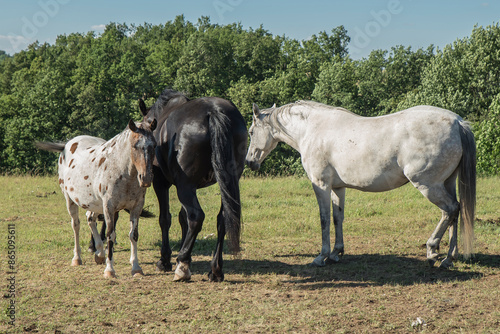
x,y
104,177
427,146
200,142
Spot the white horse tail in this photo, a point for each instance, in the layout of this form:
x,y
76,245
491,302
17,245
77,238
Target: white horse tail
x,y
52,147
467,188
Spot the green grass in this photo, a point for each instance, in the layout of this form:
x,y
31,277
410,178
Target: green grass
x,y
382,284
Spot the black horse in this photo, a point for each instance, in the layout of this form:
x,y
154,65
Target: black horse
x,y
199,142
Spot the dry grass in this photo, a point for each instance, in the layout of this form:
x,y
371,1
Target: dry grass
x,y
383,283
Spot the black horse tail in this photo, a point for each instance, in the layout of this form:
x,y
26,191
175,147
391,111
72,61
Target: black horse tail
x,y
48,146
226,174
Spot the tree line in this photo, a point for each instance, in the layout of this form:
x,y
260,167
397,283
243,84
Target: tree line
x,y
88,83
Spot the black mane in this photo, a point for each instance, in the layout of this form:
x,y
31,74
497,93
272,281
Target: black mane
x,y
165,97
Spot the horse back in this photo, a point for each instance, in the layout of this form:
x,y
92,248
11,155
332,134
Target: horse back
x,y
365,152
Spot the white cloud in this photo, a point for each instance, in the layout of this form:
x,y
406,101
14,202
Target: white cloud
x,y
14,43
98,27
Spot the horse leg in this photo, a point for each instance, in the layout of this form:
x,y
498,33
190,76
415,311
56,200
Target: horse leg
x,y
195,217
75,224
99,255
134,237
92,246
450,209
109,271
161,187
216,274
338,200
323,198
184,225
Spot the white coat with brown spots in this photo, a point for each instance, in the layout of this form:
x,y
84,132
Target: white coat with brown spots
x,y
106,177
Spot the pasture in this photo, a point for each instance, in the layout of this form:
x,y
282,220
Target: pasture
x,y
382,284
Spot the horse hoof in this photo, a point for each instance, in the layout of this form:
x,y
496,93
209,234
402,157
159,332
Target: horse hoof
x,y
75,263
446,264
332,261
431,262
137,273
215,278
99,260
317,263
160,266
109,274
182,272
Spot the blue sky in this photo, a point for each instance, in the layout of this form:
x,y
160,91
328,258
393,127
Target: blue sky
x,y
371,24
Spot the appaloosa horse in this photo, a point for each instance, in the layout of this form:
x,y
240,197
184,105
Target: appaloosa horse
x,y
424,145
105,177
200,142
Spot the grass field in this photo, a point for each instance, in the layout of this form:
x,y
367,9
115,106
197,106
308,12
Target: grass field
x,y
383,283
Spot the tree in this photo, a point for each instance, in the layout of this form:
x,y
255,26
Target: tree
x,y
487,135
464,77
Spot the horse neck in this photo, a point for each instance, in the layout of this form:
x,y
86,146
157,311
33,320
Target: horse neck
x,y
289,125
162,108
119,150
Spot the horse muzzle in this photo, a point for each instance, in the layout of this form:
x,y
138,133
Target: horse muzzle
x,y
145,180
253,165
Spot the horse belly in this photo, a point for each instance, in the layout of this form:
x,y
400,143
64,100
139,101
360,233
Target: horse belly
x,y
76,179
374,179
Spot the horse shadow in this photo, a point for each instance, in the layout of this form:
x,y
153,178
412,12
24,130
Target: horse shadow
x,y
359,270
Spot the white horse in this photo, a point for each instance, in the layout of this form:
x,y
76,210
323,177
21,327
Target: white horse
x,y
105,177
424,145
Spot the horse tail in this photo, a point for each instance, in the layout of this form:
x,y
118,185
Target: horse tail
x,y
48,146
467,188
226,174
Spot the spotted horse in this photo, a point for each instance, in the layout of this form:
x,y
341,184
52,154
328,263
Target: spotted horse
x,y
104,177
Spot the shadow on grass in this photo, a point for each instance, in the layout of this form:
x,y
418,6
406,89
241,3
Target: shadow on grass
x,y
353,270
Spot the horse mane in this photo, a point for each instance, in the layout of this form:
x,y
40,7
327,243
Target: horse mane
x,y
165,97
289,110
313,105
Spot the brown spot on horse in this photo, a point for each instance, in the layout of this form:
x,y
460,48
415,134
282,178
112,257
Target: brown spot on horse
x,y
73,148
85,177
101,161
71,162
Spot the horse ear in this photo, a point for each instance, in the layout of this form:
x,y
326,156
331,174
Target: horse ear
x,y
153,124
132,126
274,106
256,110
143,108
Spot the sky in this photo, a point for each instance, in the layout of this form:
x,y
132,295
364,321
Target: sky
x,y
371,24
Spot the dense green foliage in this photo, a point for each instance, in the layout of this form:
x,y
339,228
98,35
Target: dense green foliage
x,y
90,84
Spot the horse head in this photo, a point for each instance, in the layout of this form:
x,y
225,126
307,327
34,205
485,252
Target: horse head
x,y
262,141
142,143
